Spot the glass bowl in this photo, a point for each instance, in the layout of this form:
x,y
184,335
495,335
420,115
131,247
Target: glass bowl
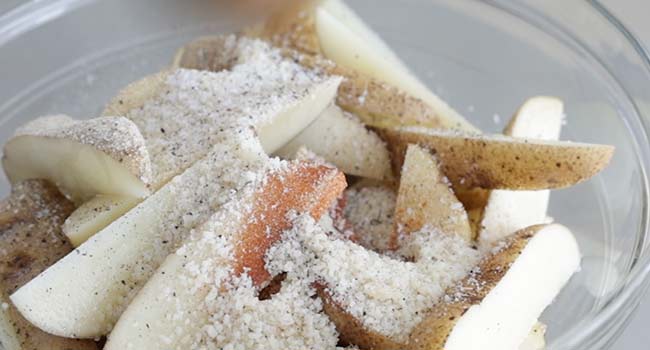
x,y
484,57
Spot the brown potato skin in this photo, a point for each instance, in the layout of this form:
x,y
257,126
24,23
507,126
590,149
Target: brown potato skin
x,y
304,187
30,234
375,102
351,331
494,163
433,331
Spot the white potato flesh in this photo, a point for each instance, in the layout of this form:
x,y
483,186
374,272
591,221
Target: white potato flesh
x,y
506,211
348,41
341,139
94,215
504,318
79,170
150,322
83,294
290,122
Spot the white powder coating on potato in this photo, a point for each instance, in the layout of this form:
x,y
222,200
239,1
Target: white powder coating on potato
x,y
387,295
194,107
118,137
370,210
291,319
201,116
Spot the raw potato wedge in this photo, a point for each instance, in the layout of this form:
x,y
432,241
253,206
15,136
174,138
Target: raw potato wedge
x,y
114,264
305,100
95,214
501,162
302,187
342,140
510,211
517,283
31,240
373,101
331,29
426,199
83,158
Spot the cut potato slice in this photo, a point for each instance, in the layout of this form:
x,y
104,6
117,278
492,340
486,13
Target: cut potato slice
x,y
290,122
176,143
509,211
31,240
373,101
300,188
98,156
426,199
330,28
518,282
342,140
501,162
294,103
110,267
94,215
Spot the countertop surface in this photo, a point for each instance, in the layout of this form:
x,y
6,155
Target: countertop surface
x,y
634,14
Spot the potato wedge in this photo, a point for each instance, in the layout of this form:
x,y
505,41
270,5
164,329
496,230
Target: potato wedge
x,y
83,158
373,101
510,211
94,215
518,282
425,198
331,29
31,241
178,131
116,262
342,140
302,187
501,162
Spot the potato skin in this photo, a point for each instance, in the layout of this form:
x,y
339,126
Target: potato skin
x,y
433,331
30,234
499,162
351,331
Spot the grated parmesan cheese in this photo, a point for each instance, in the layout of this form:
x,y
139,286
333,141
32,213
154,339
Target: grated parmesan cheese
x,y
387,295
370,211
